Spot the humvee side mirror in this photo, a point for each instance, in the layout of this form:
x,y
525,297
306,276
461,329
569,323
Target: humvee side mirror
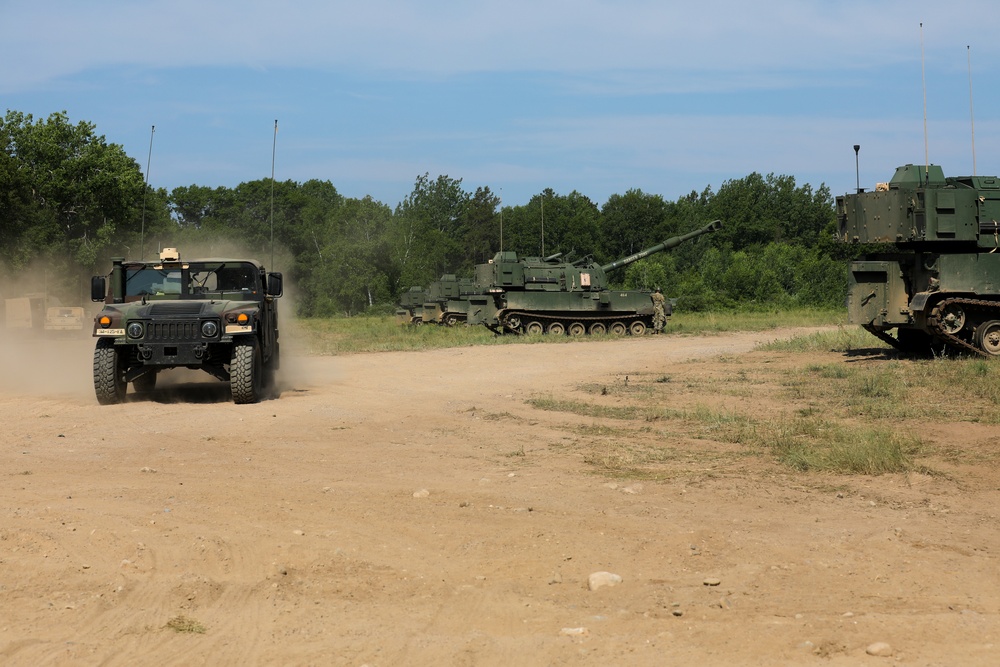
x,y
98,288
274,284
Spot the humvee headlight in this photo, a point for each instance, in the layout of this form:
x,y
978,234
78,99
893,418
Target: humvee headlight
x,y
242,318
134,330
104,321
209,328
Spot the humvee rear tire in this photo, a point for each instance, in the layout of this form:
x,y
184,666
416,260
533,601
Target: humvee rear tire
x,y
245,373
270,381
145,383
109,373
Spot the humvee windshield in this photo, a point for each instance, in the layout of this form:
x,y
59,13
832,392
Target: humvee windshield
x,y
194,280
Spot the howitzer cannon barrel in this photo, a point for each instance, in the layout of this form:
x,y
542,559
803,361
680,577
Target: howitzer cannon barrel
x,y
672,242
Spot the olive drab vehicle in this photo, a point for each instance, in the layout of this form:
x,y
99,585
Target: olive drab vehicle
x,y
411,306
446,301
217,315
533,295
936,277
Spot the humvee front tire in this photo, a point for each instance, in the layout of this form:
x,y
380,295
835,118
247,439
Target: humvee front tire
x,y
246,373
109,373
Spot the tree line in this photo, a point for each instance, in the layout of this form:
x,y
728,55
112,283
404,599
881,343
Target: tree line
x,y
70,200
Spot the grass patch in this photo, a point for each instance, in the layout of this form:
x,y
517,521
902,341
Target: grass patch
x,y
808,443
186,625
843,339
718,322
624,412
351,335
820,445
498,416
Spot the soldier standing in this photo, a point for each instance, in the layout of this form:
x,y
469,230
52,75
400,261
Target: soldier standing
x,y
659,318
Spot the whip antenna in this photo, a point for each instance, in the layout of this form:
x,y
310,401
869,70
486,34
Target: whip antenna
x,y
543,223
501,219
274,145
972,115
923,76
145,189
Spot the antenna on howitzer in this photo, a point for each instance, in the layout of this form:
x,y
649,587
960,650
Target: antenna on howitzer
x,y
145,188
274,145
501,219
857,168
972,115
923,76
543,223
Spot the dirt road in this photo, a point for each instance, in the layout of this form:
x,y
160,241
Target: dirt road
x,y
412,509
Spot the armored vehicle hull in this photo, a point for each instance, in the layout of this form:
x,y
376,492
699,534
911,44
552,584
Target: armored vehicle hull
x,y
411,306
216,315
446,300
934,280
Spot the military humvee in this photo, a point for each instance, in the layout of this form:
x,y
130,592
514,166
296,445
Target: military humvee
x,y
217,315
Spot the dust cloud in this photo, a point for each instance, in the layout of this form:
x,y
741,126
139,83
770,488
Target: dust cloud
x,y
38,363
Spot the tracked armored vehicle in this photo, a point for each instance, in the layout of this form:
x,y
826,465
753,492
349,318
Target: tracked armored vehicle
x,y
445,300
411,306
534,295
934,278
217,315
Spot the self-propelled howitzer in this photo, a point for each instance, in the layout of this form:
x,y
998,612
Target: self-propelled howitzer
x,y
934,276
536,295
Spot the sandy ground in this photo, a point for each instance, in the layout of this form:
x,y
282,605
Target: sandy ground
x,y
412,509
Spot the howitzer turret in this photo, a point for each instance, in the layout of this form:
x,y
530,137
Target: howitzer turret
x,y
542,294
937,284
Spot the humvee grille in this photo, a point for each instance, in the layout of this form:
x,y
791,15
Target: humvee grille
x,y
173,330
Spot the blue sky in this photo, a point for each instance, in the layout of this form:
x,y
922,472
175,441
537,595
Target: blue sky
x,y
588,95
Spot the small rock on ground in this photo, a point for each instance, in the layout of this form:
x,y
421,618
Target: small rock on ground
x,y
599,579
879,650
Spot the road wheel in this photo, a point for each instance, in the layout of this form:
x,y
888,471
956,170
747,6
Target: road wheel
x,y
450,320
109,372
577,329
637,328
534,328
145,383
952,318
617,329
245,372
556,329
988,337
598,328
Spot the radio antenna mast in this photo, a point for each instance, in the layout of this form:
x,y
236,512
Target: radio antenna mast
x,y
923,76
972,115
274,145
501,219
145,188
542,200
